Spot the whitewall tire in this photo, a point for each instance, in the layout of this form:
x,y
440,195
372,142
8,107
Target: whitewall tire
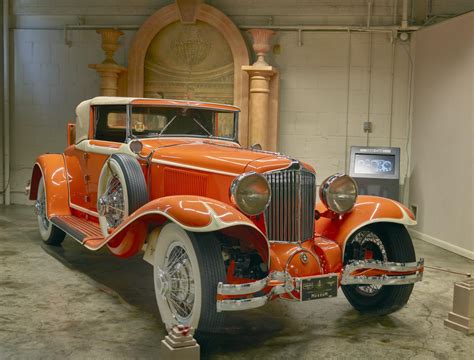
x,y
187,269
122,190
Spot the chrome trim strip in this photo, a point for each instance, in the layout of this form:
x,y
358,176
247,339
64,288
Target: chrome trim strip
x,y
383,280
171,163
84,210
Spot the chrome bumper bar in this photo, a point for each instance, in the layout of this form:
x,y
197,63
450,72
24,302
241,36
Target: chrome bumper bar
x,y
241,304
416,268
281,282
284,283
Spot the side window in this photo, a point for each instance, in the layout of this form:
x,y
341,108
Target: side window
x,y
110,123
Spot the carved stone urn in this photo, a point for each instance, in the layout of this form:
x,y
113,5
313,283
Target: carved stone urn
x,y
261,44
109,71
109,43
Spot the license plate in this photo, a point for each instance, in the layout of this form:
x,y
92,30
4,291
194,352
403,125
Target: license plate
x,y
318,287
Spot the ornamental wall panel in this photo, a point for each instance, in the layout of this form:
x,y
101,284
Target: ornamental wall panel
x,y
197,57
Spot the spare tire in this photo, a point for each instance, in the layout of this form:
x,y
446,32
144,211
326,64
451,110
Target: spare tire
x,y
122,189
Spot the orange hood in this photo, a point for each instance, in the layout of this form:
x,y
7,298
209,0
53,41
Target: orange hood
x,y
224,156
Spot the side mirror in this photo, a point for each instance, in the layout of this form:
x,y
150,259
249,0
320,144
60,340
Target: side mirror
x,y
256,147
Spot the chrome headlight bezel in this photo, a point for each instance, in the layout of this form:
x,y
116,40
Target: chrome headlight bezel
x,y
328,193
236,195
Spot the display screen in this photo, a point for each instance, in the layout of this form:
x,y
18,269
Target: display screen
x,y
374,164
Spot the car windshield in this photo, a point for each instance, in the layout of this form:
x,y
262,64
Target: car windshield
x,y
153,121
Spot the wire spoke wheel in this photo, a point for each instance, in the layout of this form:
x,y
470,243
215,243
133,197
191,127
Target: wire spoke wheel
x,y
122,189
384,242
115,205
179,272
368,243
186,270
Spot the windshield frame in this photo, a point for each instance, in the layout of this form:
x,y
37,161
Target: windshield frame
x,y
131,136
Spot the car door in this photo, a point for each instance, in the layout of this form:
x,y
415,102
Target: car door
x,y
85,159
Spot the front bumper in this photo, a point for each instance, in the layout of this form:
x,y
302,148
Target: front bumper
x,y
234,297
374,272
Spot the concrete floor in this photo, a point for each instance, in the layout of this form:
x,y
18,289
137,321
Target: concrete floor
x,y
68,302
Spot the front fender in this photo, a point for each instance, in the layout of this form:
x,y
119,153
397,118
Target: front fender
x,y
192,213
52,169
367,210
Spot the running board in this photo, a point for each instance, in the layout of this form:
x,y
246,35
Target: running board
x,y
78,228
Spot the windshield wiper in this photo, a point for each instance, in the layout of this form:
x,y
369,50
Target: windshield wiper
x,y
167,125
202,127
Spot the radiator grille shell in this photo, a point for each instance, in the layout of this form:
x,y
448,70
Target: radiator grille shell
x,y
290,214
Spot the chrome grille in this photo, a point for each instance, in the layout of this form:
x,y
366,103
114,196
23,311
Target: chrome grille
x,y
290,214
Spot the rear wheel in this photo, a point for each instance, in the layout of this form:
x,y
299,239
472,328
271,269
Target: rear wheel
x,y
385,242
187,268
50,234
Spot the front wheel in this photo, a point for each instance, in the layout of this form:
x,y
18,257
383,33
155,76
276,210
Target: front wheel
x,y
187,268
385,242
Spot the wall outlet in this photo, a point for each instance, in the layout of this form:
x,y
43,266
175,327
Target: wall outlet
x,y
367,126
414,210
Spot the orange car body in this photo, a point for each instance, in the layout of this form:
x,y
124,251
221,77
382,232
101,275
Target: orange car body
x,y
188,181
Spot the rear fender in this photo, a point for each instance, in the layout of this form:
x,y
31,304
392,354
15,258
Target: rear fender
x,y
367,210
52,169
192,213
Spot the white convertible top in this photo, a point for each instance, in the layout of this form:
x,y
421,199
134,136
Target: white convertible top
x,y
83,109
83,112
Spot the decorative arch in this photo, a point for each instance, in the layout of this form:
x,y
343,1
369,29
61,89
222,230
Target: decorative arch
x,y
212,16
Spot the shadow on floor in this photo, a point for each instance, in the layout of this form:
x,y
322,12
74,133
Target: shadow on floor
x,y
132,280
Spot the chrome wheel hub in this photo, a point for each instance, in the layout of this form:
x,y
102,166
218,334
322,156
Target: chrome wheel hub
x,y
367,240
162,283
40,210
179,276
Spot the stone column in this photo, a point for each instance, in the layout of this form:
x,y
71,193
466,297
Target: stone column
x,y
262,117
109,70
260,77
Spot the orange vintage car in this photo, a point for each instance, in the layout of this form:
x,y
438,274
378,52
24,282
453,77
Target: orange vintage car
x,y
226,228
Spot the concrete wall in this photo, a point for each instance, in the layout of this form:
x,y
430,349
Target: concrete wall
x,y
325,95
442,141
51,78
329,88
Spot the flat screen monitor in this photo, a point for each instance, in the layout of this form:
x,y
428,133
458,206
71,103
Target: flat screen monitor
x,y
375,162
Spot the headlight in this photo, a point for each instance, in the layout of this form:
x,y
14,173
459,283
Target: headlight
x,y
250,193
338,193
